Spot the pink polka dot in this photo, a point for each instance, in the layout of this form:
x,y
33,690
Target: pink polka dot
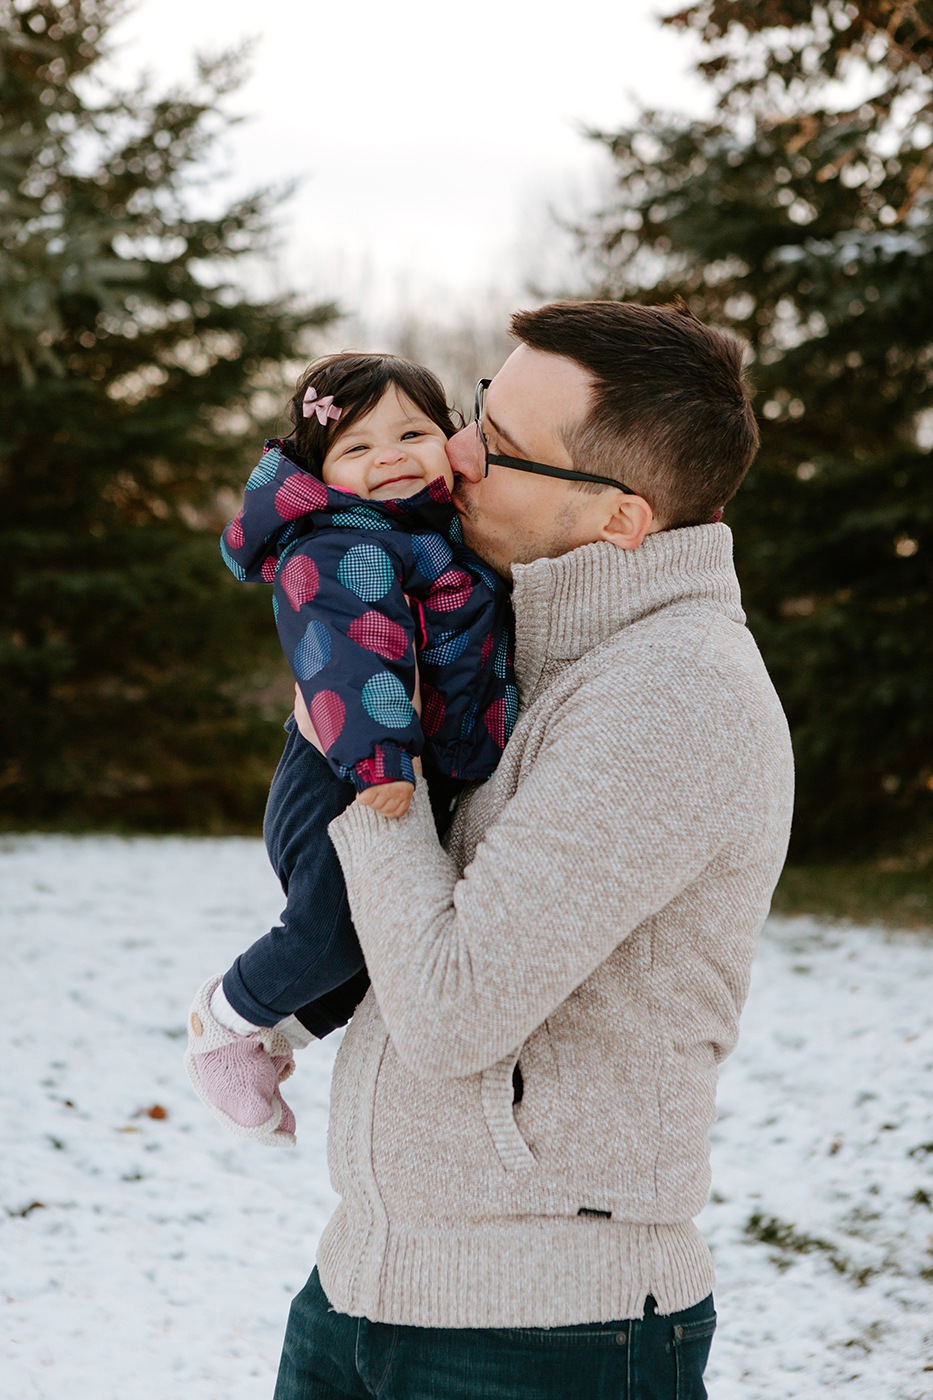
x,y
450,591
269,566
495,721
300,580
380,634
432,710
298,494
488,645
235,537
438,489
328,713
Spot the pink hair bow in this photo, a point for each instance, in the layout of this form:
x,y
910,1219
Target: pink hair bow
x,y
324,408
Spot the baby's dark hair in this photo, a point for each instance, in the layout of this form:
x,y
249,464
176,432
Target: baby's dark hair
x,y
357,382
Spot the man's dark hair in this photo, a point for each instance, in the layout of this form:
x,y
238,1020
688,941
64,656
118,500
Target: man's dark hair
x,y
671,414
357,382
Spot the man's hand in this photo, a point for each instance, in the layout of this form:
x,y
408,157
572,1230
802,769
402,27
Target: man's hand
x,y
391,799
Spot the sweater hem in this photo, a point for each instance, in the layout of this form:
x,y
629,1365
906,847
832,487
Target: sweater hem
x,y
519,1273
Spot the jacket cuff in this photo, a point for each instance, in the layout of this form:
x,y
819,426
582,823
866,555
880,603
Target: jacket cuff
x,y
389,764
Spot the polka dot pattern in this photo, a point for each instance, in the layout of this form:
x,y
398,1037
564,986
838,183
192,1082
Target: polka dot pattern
x,y
313,651
433,710
386,701
495,721
486,574
501,661
300,580
432,554
446,649
360,518
235,567
340,567
380,634
299,494
468,723
511,709
367,571
265,472
328,715
451,591
502,716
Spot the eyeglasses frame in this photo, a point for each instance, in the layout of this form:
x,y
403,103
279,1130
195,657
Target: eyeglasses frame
x,y
520,464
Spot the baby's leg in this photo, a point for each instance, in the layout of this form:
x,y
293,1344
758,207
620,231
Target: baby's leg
x,y
242,1028
314,948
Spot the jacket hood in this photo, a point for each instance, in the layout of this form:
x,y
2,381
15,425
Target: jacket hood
x,y
282,503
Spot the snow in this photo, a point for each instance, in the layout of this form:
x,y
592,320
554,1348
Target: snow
x,y
154,1256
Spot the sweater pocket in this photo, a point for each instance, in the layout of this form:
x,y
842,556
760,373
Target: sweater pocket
x,y
498,1096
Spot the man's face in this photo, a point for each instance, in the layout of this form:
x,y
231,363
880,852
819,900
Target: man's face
x,y
513,517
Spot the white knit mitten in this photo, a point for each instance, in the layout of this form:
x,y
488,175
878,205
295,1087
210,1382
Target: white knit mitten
x,y
237,1076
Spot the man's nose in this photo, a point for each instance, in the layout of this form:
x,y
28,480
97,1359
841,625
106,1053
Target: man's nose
x,y
465,454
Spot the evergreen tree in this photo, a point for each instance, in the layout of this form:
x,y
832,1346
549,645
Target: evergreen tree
x,y
799,214
130,663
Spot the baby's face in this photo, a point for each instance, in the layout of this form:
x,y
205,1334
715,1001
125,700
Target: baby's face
x,y
393,450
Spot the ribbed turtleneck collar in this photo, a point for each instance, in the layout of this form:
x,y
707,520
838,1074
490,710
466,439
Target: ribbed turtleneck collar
x,y
564,607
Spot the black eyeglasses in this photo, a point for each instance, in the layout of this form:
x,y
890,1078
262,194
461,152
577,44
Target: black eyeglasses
x,y
520,465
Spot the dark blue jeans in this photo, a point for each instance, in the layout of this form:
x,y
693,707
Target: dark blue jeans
x,y
329,1356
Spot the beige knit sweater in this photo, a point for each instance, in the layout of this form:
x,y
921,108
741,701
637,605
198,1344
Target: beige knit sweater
x,y
594,918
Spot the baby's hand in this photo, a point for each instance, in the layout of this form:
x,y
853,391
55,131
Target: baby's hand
x,y
391,799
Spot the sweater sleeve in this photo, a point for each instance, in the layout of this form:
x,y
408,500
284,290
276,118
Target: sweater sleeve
x,y
348,636
601,834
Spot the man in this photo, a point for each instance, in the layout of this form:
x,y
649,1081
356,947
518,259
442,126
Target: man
x,y
521,1103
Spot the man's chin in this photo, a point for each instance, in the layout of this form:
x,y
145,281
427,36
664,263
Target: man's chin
x,y
473,536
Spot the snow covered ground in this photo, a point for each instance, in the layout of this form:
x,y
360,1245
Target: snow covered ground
x,y
146,1254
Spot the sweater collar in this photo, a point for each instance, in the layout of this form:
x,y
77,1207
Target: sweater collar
x,y
566,606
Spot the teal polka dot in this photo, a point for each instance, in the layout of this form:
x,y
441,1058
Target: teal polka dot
x,y
386,701
511,709
232,564
362,519
485,574
367,571
265,472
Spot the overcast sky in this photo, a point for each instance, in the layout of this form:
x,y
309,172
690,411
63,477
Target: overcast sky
x,y
430,139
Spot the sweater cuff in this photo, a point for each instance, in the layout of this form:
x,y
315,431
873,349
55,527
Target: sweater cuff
x,y
360,832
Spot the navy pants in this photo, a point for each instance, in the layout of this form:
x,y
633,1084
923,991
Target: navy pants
x,y
329,1356
310,964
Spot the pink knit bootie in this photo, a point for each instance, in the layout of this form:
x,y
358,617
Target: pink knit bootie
x,y
237,1076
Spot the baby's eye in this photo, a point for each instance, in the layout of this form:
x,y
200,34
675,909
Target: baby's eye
x,y
357,447
413,433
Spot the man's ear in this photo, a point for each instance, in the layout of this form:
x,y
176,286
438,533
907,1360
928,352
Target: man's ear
x,y
628,521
